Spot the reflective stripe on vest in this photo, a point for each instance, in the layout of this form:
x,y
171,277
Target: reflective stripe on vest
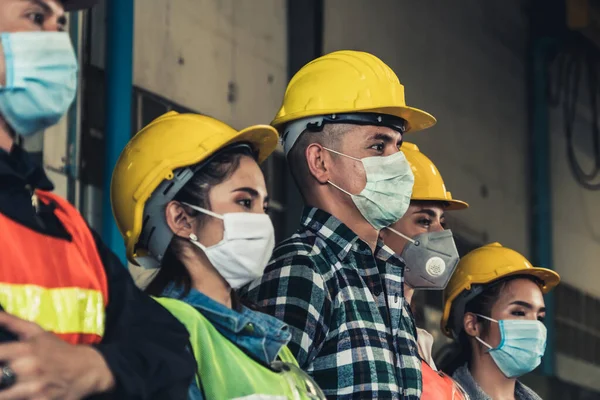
x,y
59,284
220,361
56,310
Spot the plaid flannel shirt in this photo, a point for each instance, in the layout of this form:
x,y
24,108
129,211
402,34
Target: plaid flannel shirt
x,y
352,329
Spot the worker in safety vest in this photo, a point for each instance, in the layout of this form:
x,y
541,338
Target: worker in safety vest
x,y
494,307
74,325
334,282
428,248
190,199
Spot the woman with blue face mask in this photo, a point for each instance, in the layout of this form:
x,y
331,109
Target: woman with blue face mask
x,y
494,307
190,200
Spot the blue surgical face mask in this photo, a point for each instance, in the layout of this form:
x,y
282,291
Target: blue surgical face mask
x,y
522,345
41,79
386,195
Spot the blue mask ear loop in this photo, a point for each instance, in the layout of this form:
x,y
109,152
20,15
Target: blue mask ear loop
x,y
501,326
8,60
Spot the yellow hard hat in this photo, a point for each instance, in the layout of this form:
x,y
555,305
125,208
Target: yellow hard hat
x,y
483,266
155,154
348,81
429,185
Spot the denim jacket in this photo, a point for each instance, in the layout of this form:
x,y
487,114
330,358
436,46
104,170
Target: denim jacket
x,y
260,335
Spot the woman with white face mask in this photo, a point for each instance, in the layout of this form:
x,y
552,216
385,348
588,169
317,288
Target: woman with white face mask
x,y
190,200
421,239
494,307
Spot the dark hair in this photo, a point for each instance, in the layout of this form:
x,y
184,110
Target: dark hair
x,y
460,352
196,192
330,137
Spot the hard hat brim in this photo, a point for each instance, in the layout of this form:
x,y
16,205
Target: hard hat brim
x,y
550,278
263,138
456,205
417,119
452,204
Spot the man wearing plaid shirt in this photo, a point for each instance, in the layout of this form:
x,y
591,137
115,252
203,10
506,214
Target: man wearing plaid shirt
x,y
334,282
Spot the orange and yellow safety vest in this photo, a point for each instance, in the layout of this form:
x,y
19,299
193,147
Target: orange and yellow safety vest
x,y
59,284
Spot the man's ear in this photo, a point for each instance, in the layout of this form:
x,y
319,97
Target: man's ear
x,y
317,159
180,223
471,325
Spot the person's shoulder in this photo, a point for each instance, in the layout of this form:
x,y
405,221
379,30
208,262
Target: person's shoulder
x,y
464,378
299,244
523,392
302,251
295,261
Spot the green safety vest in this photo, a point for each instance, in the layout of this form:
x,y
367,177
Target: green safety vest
x,y
225,370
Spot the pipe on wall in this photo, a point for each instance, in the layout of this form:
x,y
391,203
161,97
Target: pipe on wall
x,y
74,115
548,27
541,189
119,84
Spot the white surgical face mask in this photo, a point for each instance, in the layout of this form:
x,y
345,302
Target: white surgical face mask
x,y
248,242
386,195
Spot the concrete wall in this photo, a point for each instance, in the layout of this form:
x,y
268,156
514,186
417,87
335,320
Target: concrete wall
x,y
576,235
223,58
576,211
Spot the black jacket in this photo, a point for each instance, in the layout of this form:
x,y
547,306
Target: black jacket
x,y
144,346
